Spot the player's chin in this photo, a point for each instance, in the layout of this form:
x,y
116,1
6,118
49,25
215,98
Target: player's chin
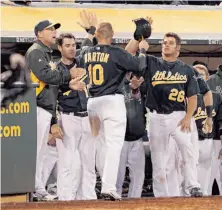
x,y
53,40
167,53
71,56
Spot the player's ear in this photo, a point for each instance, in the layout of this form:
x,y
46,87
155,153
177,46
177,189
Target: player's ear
x,y
59,48
178,47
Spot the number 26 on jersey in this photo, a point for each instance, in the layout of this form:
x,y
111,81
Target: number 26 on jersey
x,y
96,74
176,95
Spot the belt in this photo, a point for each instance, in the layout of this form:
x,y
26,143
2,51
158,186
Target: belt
x,y
162,111
77,114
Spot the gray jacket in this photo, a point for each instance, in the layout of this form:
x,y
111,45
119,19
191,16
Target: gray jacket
x,y
215,81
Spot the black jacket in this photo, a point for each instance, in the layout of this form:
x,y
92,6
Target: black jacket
x,y
45,72
71,100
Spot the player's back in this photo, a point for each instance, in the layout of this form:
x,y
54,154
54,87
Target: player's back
x,y
106,66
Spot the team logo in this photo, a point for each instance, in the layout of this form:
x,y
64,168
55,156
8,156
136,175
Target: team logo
x,y
202,114
52,65
163,77
219,90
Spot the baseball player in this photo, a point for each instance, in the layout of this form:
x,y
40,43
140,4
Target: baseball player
x,y
175,177
106,66
44,71
132,154
215,83
77,133
206,139
169,81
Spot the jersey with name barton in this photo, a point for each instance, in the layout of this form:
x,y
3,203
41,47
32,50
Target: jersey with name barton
x,y
169,84
107,66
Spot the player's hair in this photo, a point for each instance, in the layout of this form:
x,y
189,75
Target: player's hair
x,y
63,36
174,35
202,67
104,30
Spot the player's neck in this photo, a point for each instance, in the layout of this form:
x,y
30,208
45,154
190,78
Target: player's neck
x,y
104,42
169,59
67,61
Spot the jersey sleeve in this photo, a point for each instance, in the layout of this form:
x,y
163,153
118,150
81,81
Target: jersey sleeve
x,y
192,84
126,61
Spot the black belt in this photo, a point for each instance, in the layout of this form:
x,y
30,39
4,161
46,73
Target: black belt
x,y
162,111
77,114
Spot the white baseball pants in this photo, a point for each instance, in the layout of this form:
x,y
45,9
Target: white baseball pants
x,y
204,165
43,127
77,165
111,111
215,168
162,128
173,172
132,156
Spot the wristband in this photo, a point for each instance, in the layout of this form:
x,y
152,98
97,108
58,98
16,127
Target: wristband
x,y
209,110
143,51
91,30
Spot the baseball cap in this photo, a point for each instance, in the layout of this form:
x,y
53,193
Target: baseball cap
x,y
200,63
44,24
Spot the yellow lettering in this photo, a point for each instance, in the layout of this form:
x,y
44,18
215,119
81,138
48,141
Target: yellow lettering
x,y
96,74
10,131
25,108
16,107
98,55
168,78
3,110
89,57
155,77
176,95
6,131
106,58
94,57
15,131
11,108
102,57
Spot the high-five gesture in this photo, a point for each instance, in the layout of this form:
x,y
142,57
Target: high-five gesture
x,y
87,19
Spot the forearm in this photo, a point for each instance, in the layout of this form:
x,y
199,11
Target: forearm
x,y
208,99
191,106
132,47
88,41
142,61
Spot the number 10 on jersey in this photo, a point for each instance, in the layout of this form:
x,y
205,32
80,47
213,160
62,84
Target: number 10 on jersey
x,y
96,74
